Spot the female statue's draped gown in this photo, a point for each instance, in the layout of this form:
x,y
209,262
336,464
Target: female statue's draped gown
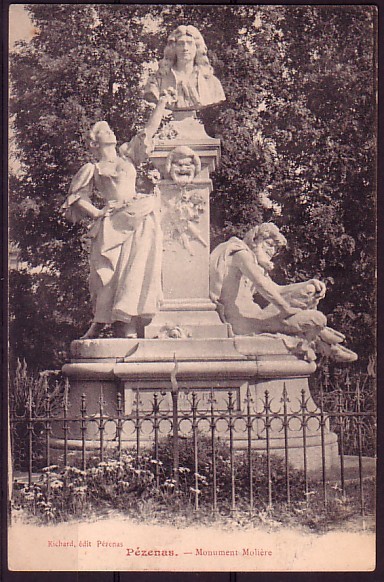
x,y
126,242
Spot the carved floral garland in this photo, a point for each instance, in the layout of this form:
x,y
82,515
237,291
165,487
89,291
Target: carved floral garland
x,y
183,215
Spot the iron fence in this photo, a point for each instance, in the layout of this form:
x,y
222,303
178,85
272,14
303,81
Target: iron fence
x,y
36,434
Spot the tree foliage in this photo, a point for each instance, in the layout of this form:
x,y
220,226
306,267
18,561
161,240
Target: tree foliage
x,y
297,133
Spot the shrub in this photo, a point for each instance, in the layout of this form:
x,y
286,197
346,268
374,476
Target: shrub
x,y
29,395
351,391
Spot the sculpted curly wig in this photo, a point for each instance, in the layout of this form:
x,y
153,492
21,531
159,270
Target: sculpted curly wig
x,y
201,60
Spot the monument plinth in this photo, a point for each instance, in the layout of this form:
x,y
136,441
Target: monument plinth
x,y
138,369
185,161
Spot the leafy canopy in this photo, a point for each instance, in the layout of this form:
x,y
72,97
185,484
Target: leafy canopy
x,y
297,133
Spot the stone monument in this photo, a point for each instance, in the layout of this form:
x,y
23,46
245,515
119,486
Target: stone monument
x,y
201,321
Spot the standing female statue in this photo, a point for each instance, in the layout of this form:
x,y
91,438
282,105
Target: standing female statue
x,y
186,68
126,239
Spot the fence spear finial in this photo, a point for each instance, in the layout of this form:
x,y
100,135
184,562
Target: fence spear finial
x,y
175,387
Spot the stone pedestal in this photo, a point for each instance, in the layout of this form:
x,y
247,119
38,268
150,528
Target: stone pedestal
x,y
187,310
241,365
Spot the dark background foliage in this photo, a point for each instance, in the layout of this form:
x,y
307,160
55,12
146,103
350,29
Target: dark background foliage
x,y
298,147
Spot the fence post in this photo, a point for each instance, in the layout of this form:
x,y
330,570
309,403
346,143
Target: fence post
x,y
65,421
156,426
249,435
175,422
195,449
267,408
322,430
30,434
231,451
359,420
10,456
47,436
285,400
101,424
83,428
119,424
213,446
137,423
341,443
303,406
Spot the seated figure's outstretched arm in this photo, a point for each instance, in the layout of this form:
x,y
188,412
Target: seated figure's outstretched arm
x,y
306,294
244,261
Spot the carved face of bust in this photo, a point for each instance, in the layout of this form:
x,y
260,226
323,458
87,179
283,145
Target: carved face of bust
x,y
183,170
265,250
185,48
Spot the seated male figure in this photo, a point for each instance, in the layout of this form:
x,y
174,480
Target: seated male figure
x,y
240,269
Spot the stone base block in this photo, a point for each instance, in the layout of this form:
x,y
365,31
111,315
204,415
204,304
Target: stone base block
x,y
257,375
177,324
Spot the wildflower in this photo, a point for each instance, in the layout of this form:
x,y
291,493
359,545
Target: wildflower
x,y
113,463
156,462
29,495
76,471
127,459
194,490
201,477
340,501
44,504
183,470
49,468
80,490
57,484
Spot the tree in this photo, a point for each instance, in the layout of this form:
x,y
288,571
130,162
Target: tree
x,y
297,132
84,64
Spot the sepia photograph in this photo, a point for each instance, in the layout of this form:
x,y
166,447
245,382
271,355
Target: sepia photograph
x,y
192,288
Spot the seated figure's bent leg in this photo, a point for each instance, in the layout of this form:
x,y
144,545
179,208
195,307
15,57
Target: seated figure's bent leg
x,y
331,336
307,323
311,324
335,352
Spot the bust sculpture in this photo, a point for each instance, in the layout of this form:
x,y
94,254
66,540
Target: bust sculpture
x,y
186,69
253,303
